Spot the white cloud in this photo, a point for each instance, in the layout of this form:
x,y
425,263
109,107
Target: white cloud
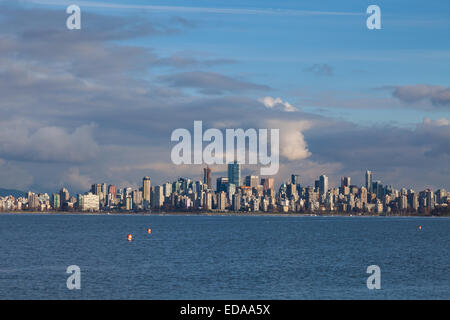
x,y
292,141
272,103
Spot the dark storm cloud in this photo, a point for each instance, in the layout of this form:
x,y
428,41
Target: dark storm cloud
x,y
210,82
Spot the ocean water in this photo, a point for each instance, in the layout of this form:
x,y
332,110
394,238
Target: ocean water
x,y
223,257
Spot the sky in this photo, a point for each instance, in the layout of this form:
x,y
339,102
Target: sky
x,y
99,104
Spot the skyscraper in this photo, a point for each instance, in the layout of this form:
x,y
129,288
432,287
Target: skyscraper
x,y
222,184
345,182
167,189
234,173
292,191
222,200
252,181
295,179
96,189
369,181
63,196
104,191
268,184
56,201
363,195
430,199
112,189
158,197
316,186
207,176
146,188
378,189
323,184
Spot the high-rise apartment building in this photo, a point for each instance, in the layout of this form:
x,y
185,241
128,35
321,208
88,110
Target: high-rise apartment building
x,y
252,181
345,182
369,181
64,196
112,189
146,191
56,201
222,200
90,202
268,184
158,197
222,184
295,179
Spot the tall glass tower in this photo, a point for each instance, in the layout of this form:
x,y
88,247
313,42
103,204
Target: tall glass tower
x,y
234,173
323,184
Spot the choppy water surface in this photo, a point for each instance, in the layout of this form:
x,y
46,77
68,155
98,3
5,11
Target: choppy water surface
x,y
215,257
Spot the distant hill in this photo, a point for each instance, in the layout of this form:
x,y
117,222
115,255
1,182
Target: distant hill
x,y
11,192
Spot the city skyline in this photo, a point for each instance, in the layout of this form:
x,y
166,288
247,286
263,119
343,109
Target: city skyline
x,y
251,194
209,170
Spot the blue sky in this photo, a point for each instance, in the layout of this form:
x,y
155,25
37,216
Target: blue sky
x,y
364,99
275,45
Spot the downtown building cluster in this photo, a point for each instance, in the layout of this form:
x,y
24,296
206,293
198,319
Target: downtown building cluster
x,y
234,194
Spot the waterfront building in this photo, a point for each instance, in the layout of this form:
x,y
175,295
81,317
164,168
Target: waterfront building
x,y
236,202
56,201
222,201
146,191
63,196
168,189
157,200
129,203
90,202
